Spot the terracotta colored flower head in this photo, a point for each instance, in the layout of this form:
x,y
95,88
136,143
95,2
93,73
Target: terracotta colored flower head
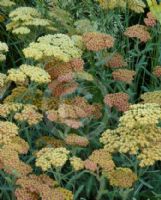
x,y
116,61
123,75
150,20
157,71
118,100
138,31
97,41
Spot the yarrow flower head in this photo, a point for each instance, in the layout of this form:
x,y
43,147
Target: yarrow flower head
x,y
138,31
29,114
76,140
34,187
77,163
123,75
8,131
27,73
152,97
10,161
95,41
134,5
72,112
103,159
118,100
84,26
157,71
115,61
22,19
47,158
136,134
57,46
121,177
3,50
48,141
141,114
7,3
2,80
150,20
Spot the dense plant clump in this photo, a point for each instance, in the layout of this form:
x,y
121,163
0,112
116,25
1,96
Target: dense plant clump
x,y
80,100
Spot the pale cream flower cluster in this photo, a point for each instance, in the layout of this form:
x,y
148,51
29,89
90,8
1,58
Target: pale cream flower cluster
x,y
22,19
47,158
28,73
57,46
7,3
3,50
2,80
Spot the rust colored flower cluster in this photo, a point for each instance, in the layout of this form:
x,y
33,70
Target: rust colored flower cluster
x,y
157,71
150,20
76,140
116,61
123,75
62,75
62,88
95,41
72,112
118,100
34,187
138,31
57,69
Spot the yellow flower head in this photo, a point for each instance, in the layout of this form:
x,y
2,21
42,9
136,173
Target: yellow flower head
x,y
58,46
47,158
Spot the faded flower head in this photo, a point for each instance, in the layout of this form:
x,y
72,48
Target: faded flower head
x,y
123,75
49,141
76,140
116,61
121,177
